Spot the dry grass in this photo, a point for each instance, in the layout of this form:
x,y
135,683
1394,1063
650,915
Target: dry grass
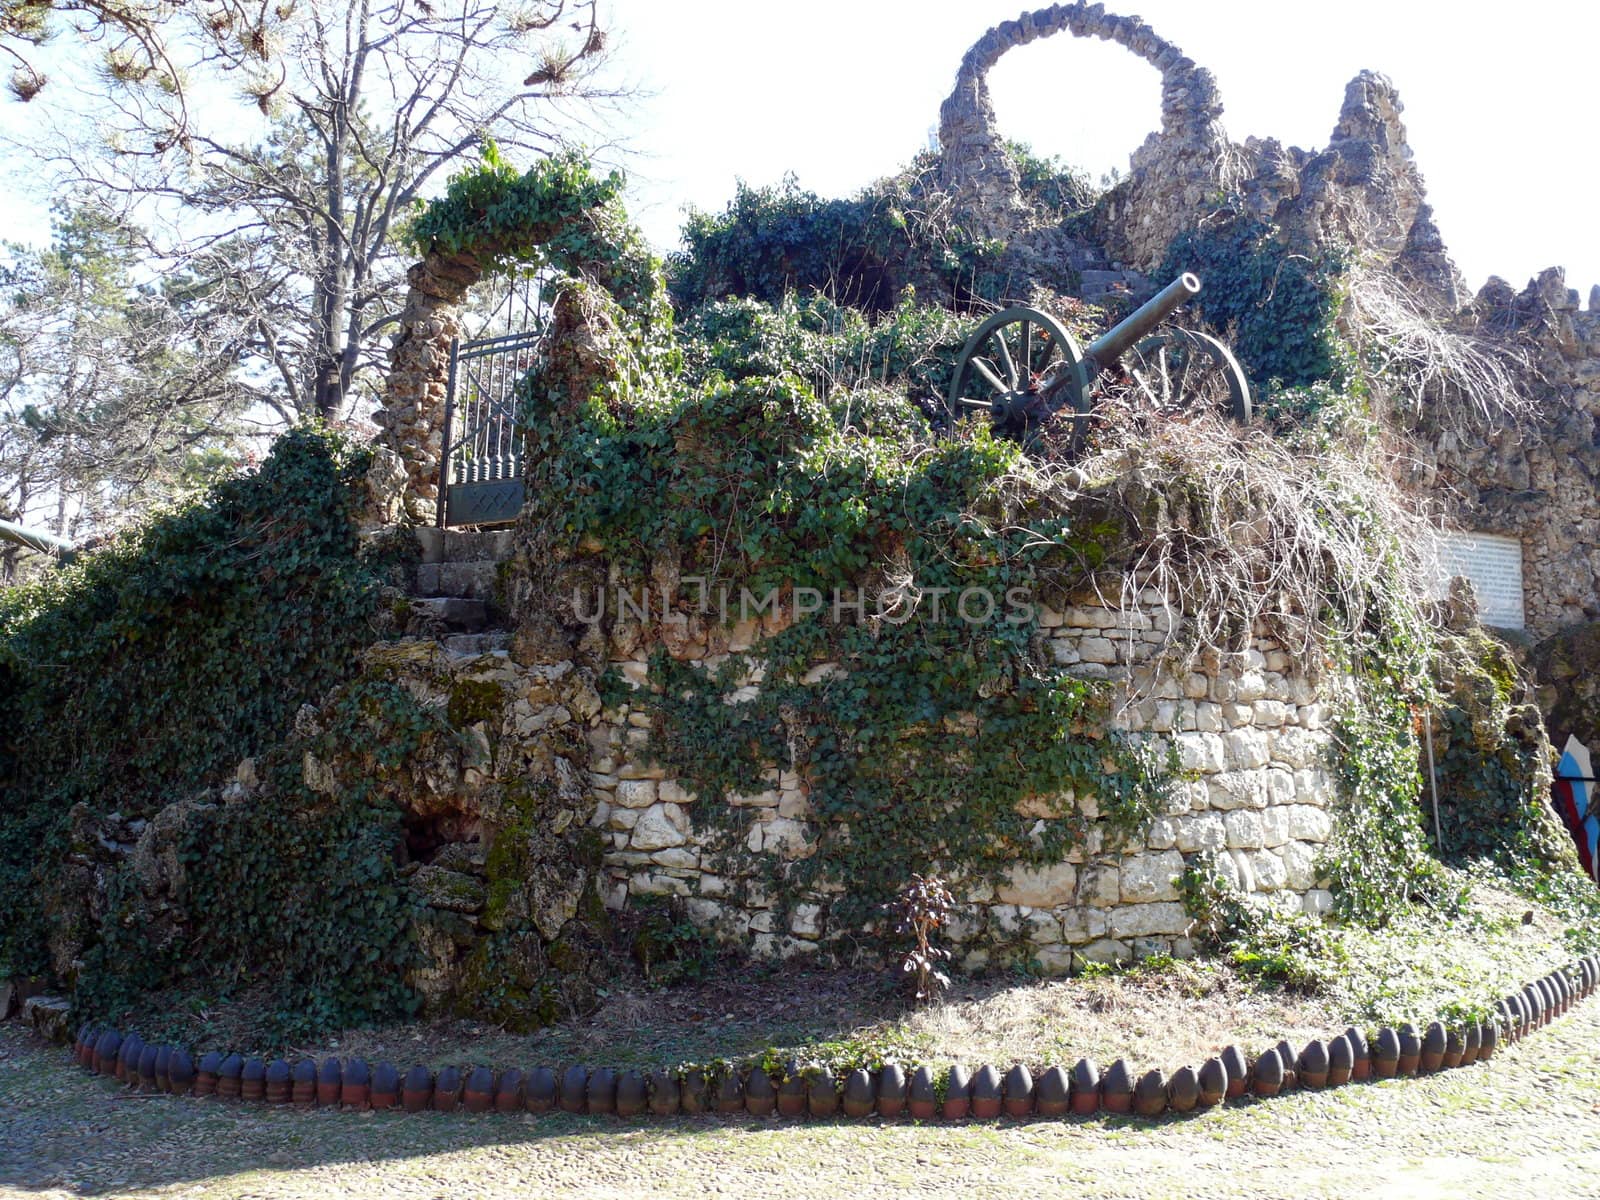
x,y
1456,381
1159,1014
1181,1014
1241,534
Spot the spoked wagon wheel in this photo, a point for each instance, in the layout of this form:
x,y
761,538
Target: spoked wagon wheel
x,y
1181,370
1019,366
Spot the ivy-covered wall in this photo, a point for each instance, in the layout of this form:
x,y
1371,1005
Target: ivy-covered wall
x,y
1096,874
132,683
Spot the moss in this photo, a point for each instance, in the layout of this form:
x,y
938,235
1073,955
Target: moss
x,y
475,700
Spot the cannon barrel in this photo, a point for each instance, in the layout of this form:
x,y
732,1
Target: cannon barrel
x,y
1116,341
36,539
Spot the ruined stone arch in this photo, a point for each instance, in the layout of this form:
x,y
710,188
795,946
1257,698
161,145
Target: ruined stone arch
x,y
976,170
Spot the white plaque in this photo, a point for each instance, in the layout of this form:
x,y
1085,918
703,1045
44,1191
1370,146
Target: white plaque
x,y
1493,565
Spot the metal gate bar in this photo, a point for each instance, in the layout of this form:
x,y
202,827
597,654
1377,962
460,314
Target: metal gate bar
x,y
480,469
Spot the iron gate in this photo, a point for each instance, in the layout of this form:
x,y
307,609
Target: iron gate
x,y
480,472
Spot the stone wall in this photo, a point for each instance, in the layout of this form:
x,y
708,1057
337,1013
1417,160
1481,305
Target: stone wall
x,y
1254,734
1536,479
411,418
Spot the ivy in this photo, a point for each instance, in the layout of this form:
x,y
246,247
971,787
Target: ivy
x,y
1277,307
140,676
920,751
862,251
1379,859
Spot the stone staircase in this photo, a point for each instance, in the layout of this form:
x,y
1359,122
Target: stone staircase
x,y
456,586
1101,279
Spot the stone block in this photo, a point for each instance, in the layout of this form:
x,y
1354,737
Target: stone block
x,y
635,768
1097,650
1236,715
1043,928
1236,789
1299,862
1106,950
1270,714
1189,795
1162,835
1208,717
1149,920
1296,748
1100,884
1201,831
1312,716
794,803
1041,887
806,922
1318,902
1243,826
1235,867
657,883
1274,826
659,827
1248,749
1279,785
678,857
1203,752
1250,687
1147,877
450,891
1307,823
673,792
1054,960
779,836
48,1016
1270,873
1078,617
636,793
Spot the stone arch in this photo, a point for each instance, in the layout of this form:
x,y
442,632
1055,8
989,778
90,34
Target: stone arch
x,y
411,420
980,175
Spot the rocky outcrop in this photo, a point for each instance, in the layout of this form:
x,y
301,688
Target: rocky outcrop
x,y
1362,188
1535,477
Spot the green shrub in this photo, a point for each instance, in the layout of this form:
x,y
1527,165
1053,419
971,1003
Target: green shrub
x,y
149,668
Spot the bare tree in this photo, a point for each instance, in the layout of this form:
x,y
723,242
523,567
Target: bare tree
x,y
135,41
294,236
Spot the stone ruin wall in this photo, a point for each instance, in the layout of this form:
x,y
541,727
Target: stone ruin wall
x,y
1537,479
1255,736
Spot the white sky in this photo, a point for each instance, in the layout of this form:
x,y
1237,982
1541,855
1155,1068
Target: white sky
x,y
1500,100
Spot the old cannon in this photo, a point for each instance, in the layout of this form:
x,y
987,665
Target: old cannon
x,y
1023,367
36,539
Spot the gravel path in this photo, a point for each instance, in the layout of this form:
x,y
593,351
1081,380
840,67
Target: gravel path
x,y
1529,1121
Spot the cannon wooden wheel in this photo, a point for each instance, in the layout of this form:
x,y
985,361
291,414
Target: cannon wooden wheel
x,y
1019,366
1177,371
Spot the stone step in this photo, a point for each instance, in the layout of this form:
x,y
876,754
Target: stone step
x,y
478,579
463,545
1101,279
459,614
475,645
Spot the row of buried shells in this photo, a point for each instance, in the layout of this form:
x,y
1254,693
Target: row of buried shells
x,y
818,1092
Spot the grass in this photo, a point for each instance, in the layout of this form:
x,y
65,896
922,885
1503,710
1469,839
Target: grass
x,y
1426,964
